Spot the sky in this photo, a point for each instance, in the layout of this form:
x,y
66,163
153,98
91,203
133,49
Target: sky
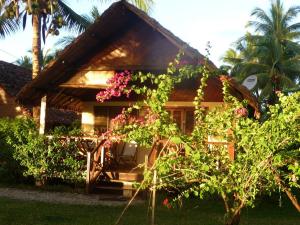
x,y
220,22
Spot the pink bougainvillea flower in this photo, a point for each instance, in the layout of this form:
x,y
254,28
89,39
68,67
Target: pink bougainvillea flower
x,y
117,86
241,112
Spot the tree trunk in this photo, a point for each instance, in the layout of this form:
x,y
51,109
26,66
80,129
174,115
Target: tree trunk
x,y
233,209
36,53
36,45
233,219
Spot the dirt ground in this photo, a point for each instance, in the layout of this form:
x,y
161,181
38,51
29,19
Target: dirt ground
x,y
62,197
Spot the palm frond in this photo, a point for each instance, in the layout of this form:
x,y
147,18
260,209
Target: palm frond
x,y
93,15
74,22
286,82
291,13
266,92
65,41
145,5
7,25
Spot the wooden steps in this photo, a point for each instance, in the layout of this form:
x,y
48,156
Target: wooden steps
x,y
124,176
119,182
117,187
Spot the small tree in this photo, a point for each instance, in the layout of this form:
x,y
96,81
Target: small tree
x,y
266,154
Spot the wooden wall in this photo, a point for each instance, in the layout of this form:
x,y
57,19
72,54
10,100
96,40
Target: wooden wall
x,y
8,106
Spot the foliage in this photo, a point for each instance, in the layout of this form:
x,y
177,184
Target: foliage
x,y
266,154
154,91
10,170
271,53
48,16
54,14
94,14
7,26
40,157
24,61
144,5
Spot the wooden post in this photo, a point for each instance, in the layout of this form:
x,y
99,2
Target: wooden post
x,y
88,171
102,155
153,198
231,150
43,114
146,164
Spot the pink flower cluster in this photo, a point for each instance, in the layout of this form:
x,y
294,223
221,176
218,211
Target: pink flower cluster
x,y
241,112
117,85
120,120
124,119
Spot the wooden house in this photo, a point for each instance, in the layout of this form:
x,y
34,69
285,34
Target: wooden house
x,y
123,38
12,79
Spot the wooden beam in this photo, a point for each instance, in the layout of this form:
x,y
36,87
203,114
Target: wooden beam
x,y
88,171
83,86
43,115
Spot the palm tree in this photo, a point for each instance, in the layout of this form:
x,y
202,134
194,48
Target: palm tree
x,y
46,57
47,16
7,25
24,61
95,14
272,53
144,5
68,39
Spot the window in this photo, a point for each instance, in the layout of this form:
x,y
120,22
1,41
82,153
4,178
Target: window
x,y
103,116
184,117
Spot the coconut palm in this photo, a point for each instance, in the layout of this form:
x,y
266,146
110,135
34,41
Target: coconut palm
x,y
95,14
47,16
7,25
68,39
272,53
24,61
144,5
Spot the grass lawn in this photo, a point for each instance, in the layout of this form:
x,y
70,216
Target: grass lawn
x,y
14,212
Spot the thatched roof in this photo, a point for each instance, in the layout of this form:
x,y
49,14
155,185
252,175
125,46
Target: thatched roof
x,y
112,24
13,78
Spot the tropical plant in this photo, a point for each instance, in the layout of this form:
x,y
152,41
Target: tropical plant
x,y
243,159
35,155
66,40
10,169
144,5
7,25
272,53
47,17
95,14
46,57
24,61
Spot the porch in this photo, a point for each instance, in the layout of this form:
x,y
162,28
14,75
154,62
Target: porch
x,y
113,169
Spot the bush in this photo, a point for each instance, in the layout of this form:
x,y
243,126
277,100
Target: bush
x,y
36,156
10,169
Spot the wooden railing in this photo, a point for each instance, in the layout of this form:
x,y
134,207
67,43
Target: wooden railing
x,y
96,155
100,158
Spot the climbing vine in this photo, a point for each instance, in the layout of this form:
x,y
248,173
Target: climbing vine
x,y
266,155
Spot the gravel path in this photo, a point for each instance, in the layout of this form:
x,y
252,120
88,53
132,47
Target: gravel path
x,y
59,197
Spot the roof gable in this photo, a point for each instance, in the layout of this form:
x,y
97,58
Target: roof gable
x,y
113,25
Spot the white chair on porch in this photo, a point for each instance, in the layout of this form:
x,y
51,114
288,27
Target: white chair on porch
x,y
128,154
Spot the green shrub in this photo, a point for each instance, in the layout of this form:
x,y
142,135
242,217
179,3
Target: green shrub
x,y
10,169
36,156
